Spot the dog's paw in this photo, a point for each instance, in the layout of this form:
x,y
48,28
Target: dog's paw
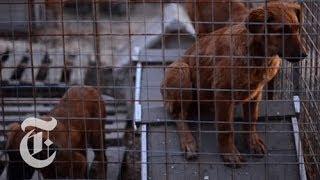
x,y
257,146
190,148
233,158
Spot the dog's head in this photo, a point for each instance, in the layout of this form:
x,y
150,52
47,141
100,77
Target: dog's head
x,y
62,161
15,135
277,28
85,97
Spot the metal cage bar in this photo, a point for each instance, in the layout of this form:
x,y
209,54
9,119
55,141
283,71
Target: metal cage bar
x,y
124,50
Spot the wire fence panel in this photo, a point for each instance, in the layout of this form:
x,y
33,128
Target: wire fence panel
x,y
308,90
159,89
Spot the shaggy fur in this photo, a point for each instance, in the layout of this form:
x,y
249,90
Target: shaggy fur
x,y
79,114
210,15
231,66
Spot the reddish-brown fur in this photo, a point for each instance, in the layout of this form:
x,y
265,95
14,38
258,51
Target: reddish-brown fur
x,y
218,67
80,126
210,15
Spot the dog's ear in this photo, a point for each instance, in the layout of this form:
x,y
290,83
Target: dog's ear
x,y
257,19
13,130
297,9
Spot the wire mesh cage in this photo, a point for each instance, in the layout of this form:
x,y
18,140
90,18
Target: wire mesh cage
x,y
308,75
155,89
193,81
56,63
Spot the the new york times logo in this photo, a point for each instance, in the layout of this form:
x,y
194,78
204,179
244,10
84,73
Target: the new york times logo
x,y
36,138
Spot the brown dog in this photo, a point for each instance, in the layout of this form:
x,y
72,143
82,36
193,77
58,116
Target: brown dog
x,y
231,66
79,115
210,15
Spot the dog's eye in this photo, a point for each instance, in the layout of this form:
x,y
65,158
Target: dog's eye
x,y
276,29
287,29
295,28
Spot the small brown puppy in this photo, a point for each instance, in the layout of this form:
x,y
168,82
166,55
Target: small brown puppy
x,y
79,115
231,66
210,15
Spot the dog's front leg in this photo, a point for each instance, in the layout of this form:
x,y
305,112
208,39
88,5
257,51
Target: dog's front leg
x,y
224,117
98,167
187,141
271,88
250,113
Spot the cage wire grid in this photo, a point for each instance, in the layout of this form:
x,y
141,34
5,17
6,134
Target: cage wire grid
x,y
124,49
287,88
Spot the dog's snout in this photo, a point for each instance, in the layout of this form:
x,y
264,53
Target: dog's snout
x,y
297,52
53,148
303,51
296,57
304,55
